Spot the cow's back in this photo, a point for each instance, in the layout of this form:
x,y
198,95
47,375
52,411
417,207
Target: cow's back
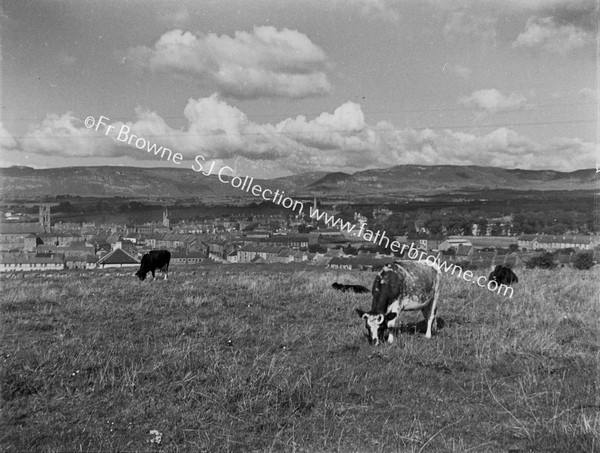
x,y
405,279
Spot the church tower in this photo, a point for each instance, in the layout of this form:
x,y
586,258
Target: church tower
x,y
44,217
166,218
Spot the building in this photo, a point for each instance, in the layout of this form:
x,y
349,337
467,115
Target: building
x,y
28,262
13,235
117,258
248,253
187,258
454,243
551,243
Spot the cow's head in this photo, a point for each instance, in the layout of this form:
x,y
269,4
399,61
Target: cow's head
x,y
376,325
141,275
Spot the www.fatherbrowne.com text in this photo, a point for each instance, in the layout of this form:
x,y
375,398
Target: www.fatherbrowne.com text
x,y
227,175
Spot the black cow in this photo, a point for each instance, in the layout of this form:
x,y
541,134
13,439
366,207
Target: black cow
x,y
345,288
401,286
503,275
155,259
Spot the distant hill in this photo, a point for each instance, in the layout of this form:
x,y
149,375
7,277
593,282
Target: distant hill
x,y
110,181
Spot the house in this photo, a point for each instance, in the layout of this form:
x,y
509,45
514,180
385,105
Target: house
x,y
340,263
232,257
117,258
187,258
80,261
365,263
292,241
551,243
28,262
12,235
463,253
248,253
60,239
454,243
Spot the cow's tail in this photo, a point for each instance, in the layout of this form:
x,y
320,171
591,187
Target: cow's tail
x,y
436,293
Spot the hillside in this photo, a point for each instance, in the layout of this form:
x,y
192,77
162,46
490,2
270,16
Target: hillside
x,y
260,358
21,182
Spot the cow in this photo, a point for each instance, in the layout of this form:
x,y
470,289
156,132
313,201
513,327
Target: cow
x,y
155,259
345,288
401,286
503,275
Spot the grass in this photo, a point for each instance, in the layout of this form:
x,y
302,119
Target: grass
x,y
270,358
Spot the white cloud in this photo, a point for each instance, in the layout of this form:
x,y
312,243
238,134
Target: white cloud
x,y
545,34
266,62
339,141
63,136
7,142
462,25
375,9
492,100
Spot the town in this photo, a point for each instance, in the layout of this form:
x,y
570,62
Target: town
x,y
282,237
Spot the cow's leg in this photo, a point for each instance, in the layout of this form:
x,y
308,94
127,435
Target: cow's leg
x,y
166,272
393,308
429,311
429,315
153,276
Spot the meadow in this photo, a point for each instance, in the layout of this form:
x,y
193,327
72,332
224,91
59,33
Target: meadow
x,y
270,358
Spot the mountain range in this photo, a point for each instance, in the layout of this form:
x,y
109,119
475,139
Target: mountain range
x,y
172,182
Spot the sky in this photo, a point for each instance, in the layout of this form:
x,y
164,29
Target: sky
x,y
281,87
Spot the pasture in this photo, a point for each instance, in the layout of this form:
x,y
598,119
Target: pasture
x,y
271,358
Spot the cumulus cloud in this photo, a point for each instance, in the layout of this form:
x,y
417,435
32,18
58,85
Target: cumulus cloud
x,y
546,34
65,135
341,140
266,62
462,25
492,100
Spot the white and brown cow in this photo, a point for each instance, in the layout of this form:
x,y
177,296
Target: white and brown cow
x,y
401,286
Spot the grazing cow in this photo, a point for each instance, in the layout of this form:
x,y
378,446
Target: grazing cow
x,y
401,286
503,275
155,259
345,288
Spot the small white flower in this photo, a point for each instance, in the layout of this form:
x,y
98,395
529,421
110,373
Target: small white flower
x,y
157,437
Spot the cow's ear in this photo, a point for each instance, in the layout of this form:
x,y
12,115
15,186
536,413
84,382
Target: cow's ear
x,y
390,316
360,312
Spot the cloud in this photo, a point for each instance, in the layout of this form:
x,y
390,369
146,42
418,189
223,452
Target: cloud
x,y
266,62
342,140
492,100
63,136
462,25
7,142
547,35
374,9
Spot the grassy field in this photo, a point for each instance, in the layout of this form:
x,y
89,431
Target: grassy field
x,y
238,358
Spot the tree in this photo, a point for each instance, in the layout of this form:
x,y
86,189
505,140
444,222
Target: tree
x,y
350,250
583,260
316,248
543,261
